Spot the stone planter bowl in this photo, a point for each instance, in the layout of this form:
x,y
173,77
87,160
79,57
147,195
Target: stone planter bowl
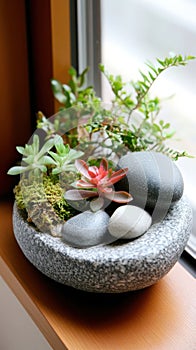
x,y
119,267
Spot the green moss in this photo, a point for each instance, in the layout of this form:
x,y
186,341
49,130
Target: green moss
x,y
44,201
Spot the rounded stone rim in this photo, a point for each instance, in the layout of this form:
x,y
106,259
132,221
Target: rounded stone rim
x,y
160,247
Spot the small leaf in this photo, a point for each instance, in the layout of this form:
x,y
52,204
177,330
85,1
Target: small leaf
x,y
152,76
55,156
166,126
66,88
156,127
35,144
20,149
101,67
161,62
118,175
46,160
16,170
56,171
83,184
88,128
82,167
77,195
60,97
57,89
47,146
119,197
82,77
144,76
97,204
171,134
72,72
152,67
56,86
73,154
42,168
29,160
68,167
161,122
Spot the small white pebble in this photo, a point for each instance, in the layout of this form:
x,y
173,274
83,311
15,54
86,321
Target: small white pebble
x,y
129,222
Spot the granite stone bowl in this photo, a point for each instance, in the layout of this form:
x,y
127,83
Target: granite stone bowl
x,y
119,267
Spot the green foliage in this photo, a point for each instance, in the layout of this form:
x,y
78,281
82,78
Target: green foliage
x,y
138,97
118,125
74,94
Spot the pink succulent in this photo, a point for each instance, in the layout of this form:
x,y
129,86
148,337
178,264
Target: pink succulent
x,y
98,182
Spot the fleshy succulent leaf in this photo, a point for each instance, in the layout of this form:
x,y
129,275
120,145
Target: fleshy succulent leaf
x,y
119,197
16,170
97,204
46,147
46,160
82,167
76,195
35,144
118,175
93,171
84,184
20,149
104,164
74,154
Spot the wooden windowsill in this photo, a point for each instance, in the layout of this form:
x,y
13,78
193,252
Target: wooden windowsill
x,y
157,318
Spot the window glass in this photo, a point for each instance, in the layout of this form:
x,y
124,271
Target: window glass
x,y
134,31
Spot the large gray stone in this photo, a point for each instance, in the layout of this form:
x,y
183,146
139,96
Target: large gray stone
x,y
113,268
154,181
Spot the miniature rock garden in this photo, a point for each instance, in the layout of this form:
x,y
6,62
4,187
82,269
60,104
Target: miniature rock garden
x,y
99,203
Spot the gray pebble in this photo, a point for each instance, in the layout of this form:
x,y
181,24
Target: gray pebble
x,y
86,229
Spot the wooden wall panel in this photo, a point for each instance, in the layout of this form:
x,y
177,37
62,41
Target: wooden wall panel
x,y
14,87
34,47
49,47
60,36
40,56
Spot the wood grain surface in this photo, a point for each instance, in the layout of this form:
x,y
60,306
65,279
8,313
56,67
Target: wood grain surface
x,y
161,317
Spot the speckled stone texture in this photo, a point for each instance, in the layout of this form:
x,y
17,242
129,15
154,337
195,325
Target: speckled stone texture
x,y
119,267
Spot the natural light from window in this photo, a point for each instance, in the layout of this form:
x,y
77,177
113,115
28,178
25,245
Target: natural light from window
x,y
134,31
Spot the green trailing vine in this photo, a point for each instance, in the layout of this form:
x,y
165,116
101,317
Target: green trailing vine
x,y
117,125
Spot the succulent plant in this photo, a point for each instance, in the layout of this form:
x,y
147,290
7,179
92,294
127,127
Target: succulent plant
x,y
64,157
98,182
34,159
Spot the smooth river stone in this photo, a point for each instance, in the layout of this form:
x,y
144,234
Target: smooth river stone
x,y
129,222
153,180
86,229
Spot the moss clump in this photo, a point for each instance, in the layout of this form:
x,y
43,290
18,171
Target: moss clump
x,y
44,202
